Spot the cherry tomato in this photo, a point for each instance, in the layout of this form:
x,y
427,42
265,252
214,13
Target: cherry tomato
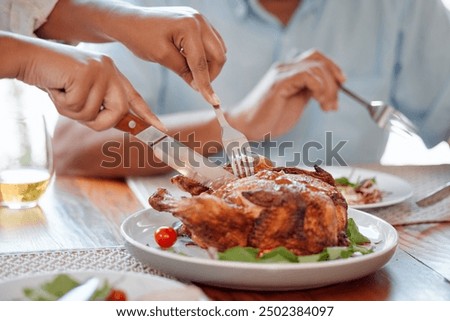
x,y
116,295
165,236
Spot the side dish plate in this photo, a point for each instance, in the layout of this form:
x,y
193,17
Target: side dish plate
x,y
137,286
395,190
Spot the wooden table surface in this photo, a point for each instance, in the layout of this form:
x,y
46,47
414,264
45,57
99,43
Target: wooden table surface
x,y
85,213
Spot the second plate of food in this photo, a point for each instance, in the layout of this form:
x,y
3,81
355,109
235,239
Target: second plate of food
x,y
393,189
133,286
189,262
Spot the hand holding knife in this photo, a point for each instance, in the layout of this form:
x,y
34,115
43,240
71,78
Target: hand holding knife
x,y
175,154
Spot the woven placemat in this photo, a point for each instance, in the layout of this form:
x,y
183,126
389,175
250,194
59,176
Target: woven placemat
x,y
423,179
104,259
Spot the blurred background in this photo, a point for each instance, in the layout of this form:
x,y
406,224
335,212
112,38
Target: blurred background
x,y
399,150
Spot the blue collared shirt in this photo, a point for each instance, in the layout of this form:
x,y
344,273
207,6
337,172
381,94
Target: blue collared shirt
x,y
397,51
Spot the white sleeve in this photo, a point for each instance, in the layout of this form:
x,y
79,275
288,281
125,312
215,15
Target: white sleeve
x,y
24,16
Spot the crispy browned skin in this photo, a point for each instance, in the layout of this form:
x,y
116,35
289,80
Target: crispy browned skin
x,y
210,220
288,207
189,185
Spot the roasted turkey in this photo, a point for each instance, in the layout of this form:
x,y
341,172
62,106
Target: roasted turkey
x,y
278,206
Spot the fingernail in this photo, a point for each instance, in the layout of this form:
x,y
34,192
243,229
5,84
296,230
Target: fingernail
x,y
158,124
215,99
162,127
194,85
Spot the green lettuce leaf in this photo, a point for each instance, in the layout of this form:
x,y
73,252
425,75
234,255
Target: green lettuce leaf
x,y
60,285
353,233
344,181
239,254
278,255
283,255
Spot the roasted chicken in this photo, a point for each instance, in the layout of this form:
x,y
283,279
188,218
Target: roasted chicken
x,y
298,209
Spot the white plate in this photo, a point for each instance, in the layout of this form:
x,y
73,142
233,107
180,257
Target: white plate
x,y
137,286
395,189
195,266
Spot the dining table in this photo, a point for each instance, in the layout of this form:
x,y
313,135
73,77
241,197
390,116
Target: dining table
x,y
76,227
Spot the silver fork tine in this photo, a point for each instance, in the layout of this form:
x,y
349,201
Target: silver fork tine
x,y
390,118
401,129
241,159
248,161
236,147
405,121
241,163
386,116
236,161
246,156
235,165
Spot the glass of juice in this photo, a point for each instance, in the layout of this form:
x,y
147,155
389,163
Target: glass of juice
x,y
26,159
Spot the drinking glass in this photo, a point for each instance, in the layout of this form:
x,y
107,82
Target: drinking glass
x,y
26,159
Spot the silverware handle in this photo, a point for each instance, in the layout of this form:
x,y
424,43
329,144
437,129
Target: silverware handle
x,y
435,196
356,97
220,116
131,124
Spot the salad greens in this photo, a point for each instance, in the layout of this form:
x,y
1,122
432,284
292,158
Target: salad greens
x,y
346,182
283,255
354,235
60,285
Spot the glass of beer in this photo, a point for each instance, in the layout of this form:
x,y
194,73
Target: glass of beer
x,y
26,159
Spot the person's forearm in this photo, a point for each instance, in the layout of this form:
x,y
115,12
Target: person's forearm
x,y
85,21
12,55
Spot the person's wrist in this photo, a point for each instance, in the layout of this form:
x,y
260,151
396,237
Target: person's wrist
x,y
14,52
118,24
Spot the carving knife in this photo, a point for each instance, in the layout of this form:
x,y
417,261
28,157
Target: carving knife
x,y
435,196
175,154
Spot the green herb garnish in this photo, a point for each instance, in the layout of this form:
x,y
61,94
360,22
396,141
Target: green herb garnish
x,y
344,181
239,253
283,255
353,233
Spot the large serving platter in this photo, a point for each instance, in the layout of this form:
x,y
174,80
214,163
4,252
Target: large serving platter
x,y
189,262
